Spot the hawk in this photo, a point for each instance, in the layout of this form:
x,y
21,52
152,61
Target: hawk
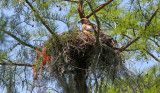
x,y
88,28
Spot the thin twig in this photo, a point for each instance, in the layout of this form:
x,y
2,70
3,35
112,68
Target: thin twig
x,y
124,49
16,64
127,36
41,19
98,25
82,39
130,43
75,1
143,49
50,88
152,55
18,39
146,25
153,15
140,8
98,56
155,42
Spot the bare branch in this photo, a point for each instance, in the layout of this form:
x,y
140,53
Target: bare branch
x,y
130,49
131,42
152,55
41,19
19,40
153,15
16,64
154,42
99,8
75,1
127,36
98,25
140,8
80,11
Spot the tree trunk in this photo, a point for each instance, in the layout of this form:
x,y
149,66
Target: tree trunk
x,y
80,78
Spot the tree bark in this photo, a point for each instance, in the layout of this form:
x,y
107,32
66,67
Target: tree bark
x,y
80,78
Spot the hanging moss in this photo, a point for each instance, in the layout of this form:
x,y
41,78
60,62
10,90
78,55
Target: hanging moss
x,y
77,58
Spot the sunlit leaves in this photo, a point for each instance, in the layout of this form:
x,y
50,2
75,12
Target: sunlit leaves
x,y
3,55
146,81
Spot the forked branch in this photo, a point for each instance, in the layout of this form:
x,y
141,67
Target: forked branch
x,y
99,8
134,40
146,25
80,11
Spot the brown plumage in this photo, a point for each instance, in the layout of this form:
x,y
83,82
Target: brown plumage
x,y
88,28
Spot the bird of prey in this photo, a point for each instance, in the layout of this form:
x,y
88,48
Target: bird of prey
x,y
88,27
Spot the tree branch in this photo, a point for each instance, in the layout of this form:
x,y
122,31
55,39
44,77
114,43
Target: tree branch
x,y
98,25
146,25
130,49
16,64
41,19
127,36
50,88
19,40
75,1
80,11
99,8
131,42
124,49
154,42
153,15
152,55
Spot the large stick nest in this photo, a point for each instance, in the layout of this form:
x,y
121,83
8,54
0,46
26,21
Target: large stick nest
x,y
75,50
76,55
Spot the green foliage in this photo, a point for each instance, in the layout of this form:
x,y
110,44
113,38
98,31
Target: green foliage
x,y
3,55
123,20
68,36
146,82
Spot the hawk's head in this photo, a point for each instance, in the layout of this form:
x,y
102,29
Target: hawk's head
x,y
84,21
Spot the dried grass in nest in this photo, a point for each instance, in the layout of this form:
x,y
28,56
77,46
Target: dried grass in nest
x,y
77,58
78,51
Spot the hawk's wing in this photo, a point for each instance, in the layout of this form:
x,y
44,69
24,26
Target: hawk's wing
x,y
89,28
